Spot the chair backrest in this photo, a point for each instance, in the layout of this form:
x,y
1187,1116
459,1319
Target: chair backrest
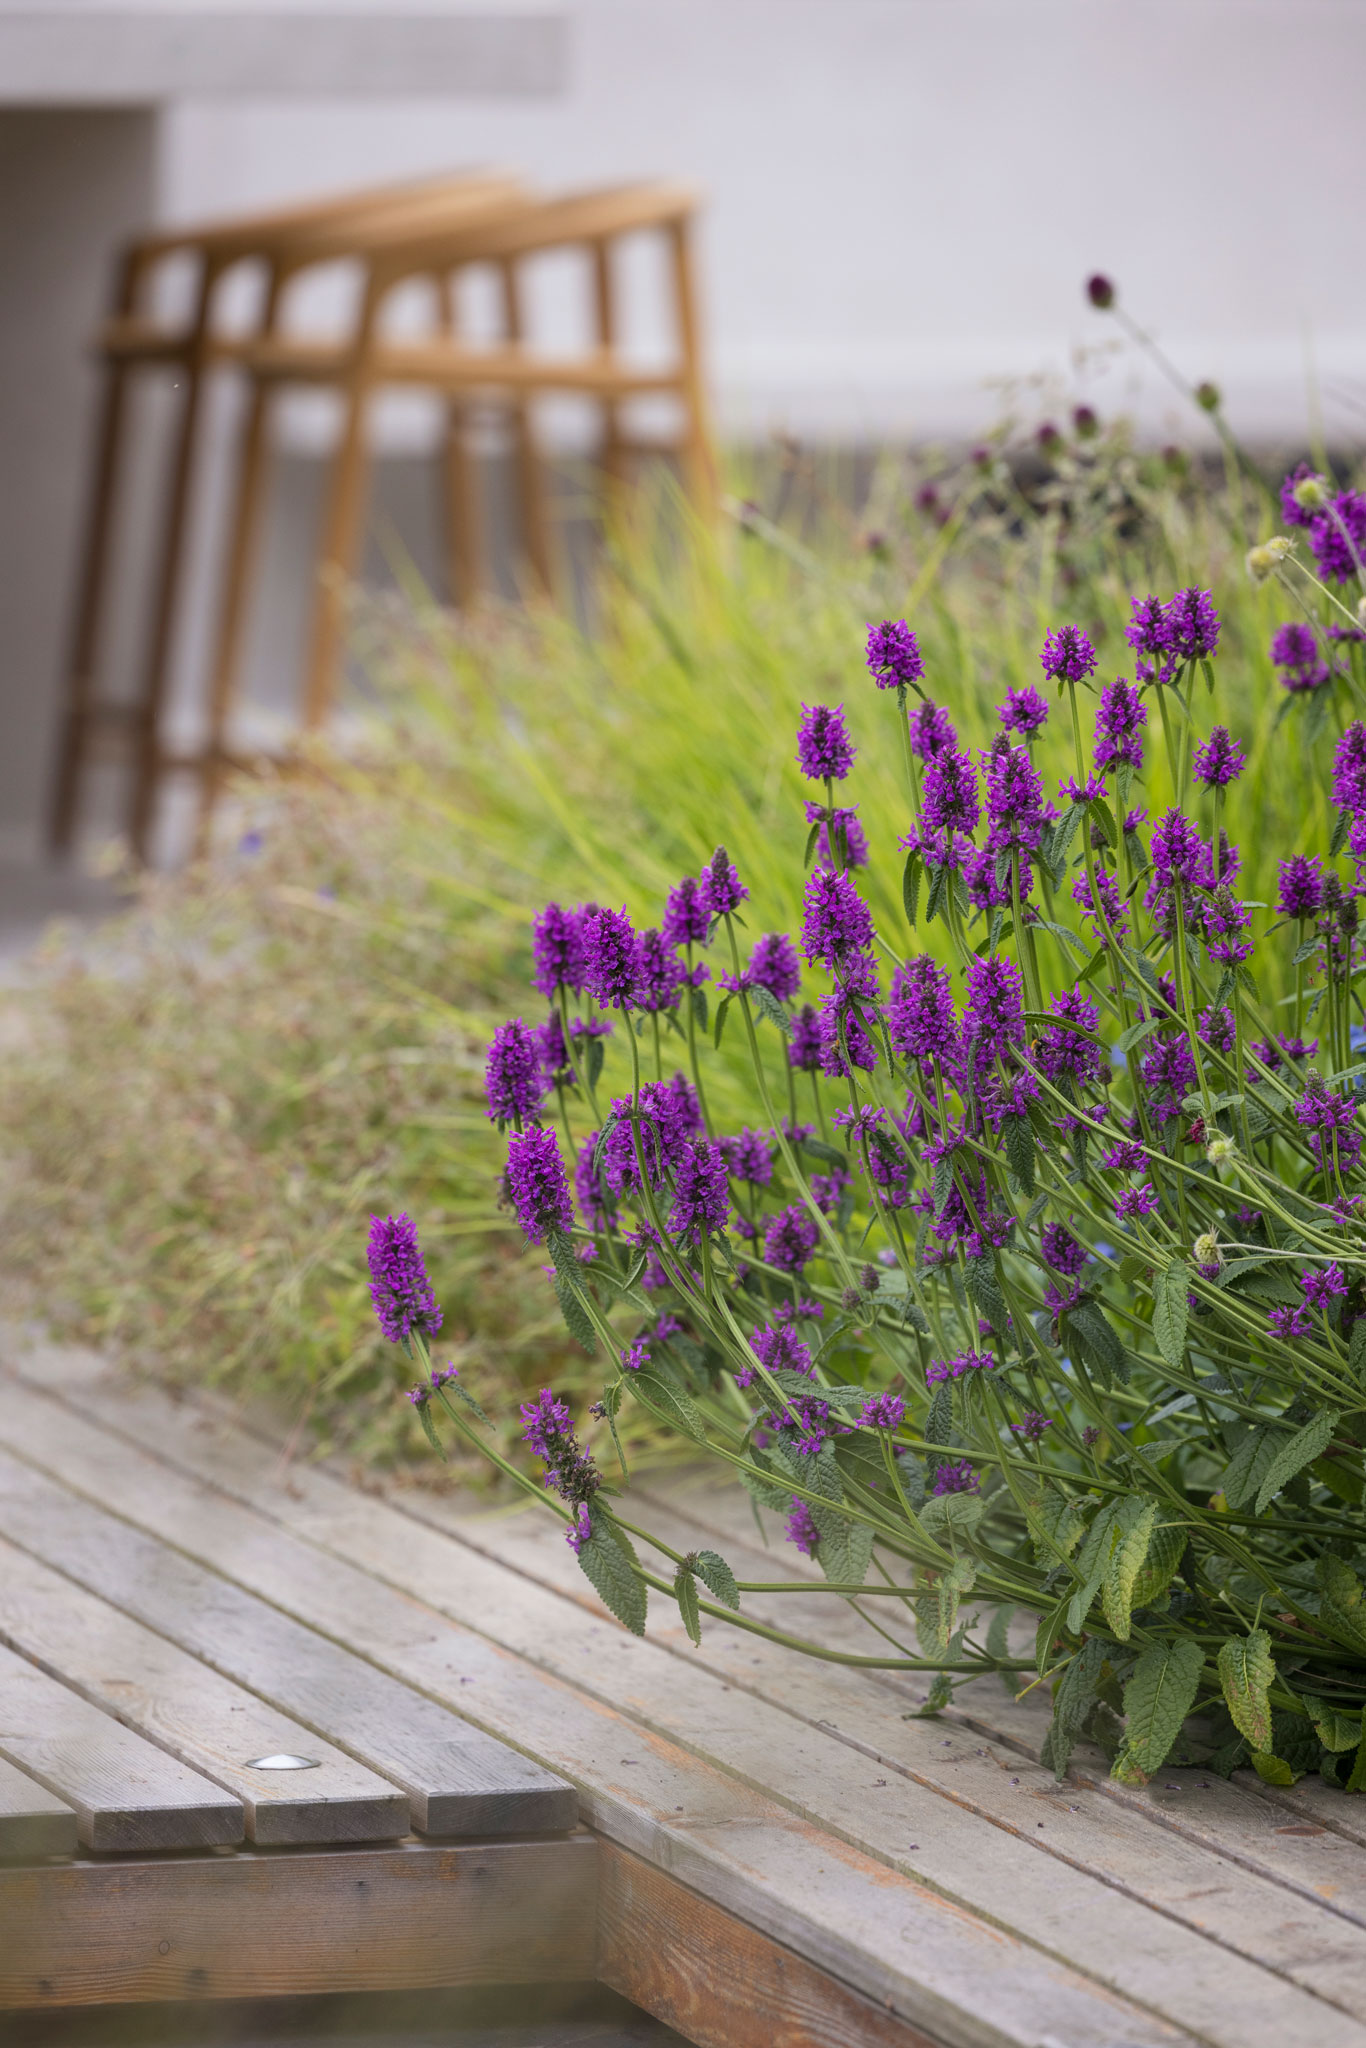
x,y
578,217
327,228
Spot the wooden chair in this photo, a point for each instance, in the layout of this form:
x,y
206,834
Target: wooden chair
x,y
281,242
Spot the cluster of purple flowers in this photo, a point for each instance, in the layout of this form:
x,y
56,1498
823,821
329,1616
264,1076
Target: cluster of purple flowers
x,y
569,1469
1168,636
399,1287
825,751
941,1369
1119,726
1295,651
1334,520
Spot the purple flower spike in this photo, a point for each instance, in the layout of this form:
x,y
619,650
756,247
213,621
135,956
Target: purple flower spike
x,y
883,1411
837,923
790,1239
1068,656
920,1015
536,1182
659,973
399,1286
611,958
1192,625
845,823
825,751
1024,711
774,965
1301,886
686,922
1337,536
1220,760
513,1081
1295,651
1139,1201
1349,769
951,801
1179,853
557,948
702,1195
893,655
1032,1425
1014,800
958,1477
804,1046
801,1528
1119,726
722,889
932,731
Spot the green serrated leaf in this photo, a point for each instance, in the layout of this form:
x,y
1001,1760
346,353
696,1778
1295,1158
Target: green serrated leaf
x,y
1300,1450
998,1632
1054,1525
1165,1552
718,1577
1246,1672
934,903
812,836
1076,1696
722,1012
910,886
1135,1034
1272,1770
424,1409
1018,1133
609,1560
668,1402
767,1004
685,1592
1336,1731
1341,828
1157,1699
1171,1311
576,1317
1133,1532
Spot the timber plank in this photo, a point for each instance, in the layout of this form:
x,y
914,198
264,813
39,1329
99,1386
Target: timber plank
x,y
176,1702
966,1982
125,1793
1140,1953
408,1916
33,1821
717,1981
458,1779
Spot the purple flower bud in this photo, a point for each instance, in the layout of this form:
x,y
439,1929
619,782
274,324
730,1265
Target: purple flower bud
x,y
893,655
1219,760
1192,625
955,1477
610,957
557,948
1032,1425
513,1081
931,729
883,1411
1100,291
659,973
845,824
836,921
1119,726
1139,1201
774,965
1014,800
1024,711
801,1528
701,1193
399,1287
536,1183
748,1157
685,917
1337,536
790,1239
1349,769
951,802
1068,656
1301,886
722,889
1061,1249
824,748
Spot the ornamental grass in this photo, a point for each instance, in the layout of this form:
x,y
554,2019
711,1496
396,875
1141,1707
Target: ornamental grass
x,y
966,1157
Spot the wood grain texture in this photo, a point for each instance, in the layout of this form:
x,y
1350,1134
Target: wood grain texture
x,y
33,1821
411,1916
718,1982
971,1983
192,1713
458,1780
125,1793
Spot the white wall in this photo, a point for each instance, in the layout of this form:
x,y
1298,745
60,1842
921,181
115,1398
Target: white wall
x,y
906,194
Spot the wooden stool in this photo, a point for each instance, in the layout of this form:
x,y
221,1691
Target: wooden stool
x,y
509,372
281,241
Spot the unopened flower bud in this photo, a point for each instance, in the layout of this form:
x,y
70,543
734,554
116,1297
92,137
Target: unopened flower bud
x,y
1219,1151
851,1301
1263,559
1208,396
1100,291
1309,494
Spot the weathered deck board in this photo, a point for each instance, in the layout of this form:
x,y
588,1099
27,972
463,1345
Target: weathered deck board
x,y
408,1916
192,1713
458,1780
1141,1953
964,1981
33,1821
125,1793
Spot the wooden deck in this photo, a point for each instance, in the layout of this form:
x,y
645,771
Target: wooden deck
x,y
768,1851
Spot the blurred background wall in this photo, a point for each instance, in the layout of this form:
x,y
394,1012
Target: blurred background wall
x,y
903,199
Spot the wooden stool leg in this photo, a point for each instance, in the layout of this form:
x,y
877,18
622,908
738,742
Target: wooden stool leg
x,y
468,567
531,482
699,461
147,714
341,529
248,505
83,663
613,456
